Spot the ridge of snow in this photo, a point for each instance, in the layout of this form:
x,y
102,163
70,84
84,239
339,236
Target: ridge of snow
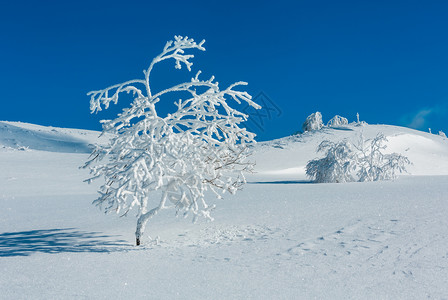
x,y
26,136
285,157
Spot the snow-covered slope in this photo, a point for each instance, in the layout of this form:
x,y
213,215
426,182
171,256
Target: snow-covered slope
x,y
279,238
17,135
287,157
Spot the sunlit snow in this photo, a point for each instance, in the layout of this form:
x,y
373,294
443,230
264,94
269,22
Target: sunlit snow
x,y
281,237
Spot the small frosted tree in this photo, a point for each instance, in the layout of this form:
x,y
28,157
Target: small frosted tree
x,y
364,161
336,165
200,146
313,122
337,121
373,164
442,134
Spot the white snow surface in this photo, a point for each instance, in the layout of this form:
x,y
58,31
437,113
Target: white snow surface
x,y
281,237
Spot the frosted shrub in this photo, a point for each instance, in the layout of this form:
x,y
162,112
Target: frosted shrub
x,y
337,121
373,164
335,166
313,122
364,161
198,147
442,134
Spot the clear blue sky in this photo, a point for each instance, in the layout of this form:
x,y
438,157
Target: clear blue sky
x,y
387,60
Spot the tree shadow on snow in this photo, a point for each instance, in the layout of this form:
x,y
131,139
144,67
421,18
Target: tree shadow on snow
x,y
342,128
282,182
25,243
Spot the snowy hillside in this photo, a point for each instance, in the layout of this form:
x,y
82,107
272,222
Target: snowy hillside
x,y
287,157
281,237
17,135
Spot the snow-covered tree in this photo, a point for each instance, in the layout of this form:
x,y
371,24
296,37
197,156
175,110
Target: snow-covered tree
x,y
364,161
442,134
336,165
313,122
337,121
198,147
373,165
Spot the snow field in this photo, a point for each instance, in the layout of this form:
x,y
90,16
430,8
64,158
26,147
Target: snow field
x,y
280,237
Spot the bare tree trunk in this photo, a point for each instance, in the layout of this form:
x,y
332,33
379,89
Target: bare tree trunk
x,y
141,224
144,218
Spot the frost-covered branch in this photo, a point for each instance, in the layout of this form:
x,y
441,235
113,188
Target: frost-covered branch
x,y
200,146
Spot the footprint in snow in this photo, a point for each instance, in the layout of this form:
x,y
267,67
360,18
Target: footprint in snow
x,y
358,238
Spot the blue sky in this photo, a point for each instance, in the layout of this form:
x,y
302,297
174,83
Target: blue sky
x,y
387,60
